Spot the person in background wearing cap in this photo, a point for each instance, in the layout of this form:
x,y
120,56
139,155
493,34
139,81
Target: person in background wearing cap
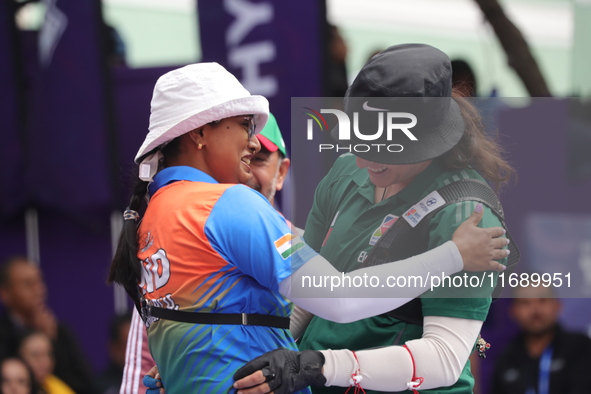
x,y
370,188
269,167
211,263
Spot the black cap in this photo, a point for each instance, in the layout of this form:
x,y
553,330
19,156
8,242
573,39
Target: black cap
x,y
413,79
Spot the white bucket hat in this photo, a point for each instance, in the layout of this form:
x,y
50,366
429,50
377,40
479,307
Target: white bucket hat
x,y
193,96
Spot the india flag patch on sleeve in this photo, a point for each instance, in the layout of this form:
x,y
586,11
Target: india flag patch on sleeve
x,y
288,245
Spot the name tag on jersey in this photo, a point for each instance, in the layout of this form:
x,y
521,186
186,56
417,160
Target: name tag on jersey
x,y
417,212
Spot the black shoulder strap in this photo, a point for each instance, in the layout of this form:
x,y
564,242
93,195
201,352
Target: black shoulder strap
x,y
402,241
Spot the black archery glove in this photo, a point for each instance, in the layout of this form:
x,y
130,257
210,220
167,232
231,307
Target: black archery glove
x,y
287,371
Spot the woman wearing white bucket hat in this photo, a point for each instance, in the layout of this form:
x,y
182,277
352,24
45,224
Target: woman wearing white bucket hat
x,y
211,262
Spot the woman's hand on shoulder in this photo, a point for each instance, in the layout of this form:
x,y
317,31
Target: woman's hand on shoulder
x,y
480,247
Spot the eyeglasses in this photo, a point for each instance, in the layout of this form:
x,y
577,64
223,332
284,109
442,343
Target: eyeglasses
x,y
251,126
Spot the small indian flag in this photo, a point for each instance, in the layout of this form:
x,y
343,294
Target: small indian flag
x,y
288,245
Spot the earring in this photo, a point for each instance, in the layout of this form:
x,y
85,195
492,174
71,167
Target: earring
x,y
199,146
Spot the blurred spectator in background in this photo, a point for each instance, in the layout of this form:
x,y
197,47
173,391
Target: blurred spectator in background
x,y
24,295
463,78
337,82
109,381
115,48
36,349
16,377
543,358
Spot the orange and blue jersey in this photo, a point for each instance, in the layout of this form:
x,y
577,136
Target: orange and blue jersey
x,y
217,248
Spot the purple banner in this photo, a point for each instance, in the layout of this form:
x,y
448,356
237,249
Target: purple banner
x,y
273,47
11,160
69,151
276,49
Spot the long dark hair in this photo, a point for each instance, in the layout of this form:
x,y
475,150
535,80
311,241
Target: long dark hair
x,y
476,149
125,267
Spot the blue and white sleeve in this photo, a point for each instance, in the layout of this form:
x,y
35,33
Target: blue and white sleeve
x,y
251,235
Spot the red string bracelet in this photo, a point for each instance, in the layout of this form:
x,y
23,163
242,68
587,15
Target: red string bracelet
x,y
356,378
416,382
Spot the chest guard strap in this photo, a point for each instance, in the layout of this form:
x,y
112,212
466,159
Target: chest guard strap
x,y
402,241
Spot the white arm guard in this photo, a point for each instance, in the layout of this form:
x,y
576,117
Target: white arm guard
x,y
440,356
340,298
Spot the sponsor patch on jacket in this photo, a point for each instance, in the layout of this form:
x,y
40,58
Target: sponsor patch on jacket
x,y
417,212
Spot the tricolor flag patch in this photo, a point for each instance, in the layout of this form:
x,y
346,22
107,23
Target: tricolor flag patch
x,y
288,245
